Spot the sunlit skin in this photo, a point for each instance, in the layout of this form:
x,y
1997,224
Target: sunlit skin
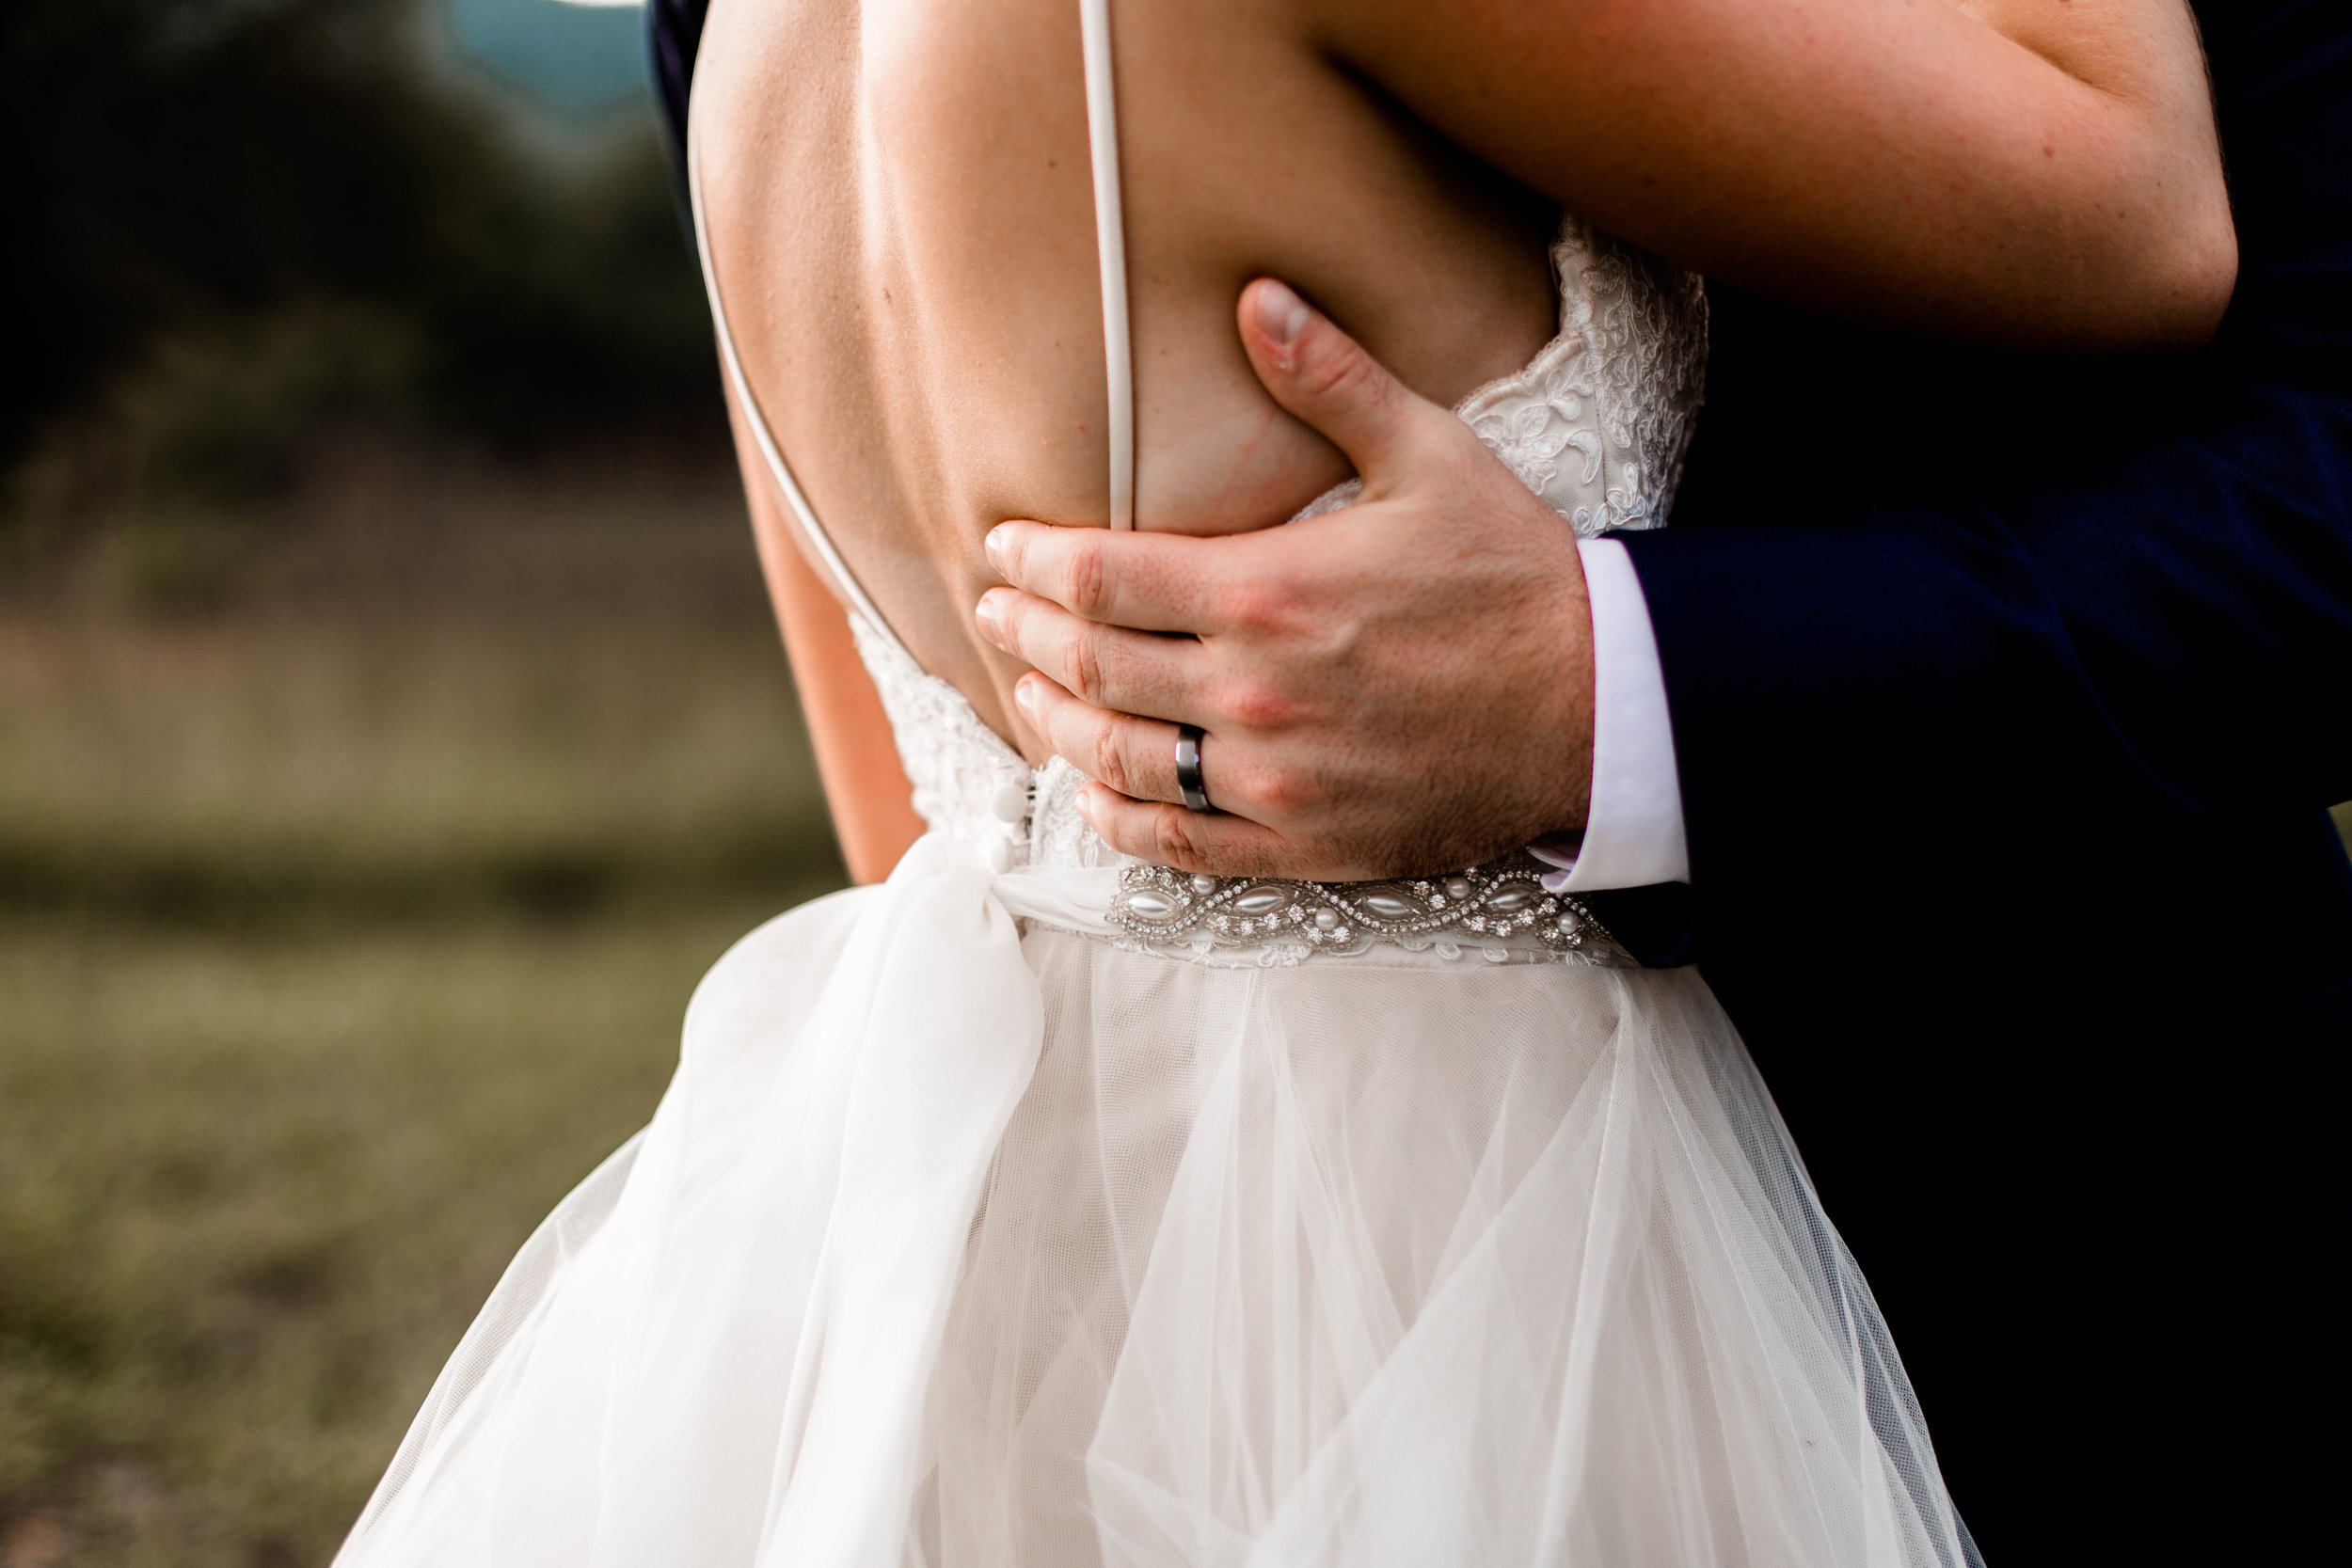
x,y
902,230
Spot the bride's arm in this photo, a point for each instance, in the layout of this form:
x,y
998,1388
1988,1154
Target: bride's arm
x,y
2031,172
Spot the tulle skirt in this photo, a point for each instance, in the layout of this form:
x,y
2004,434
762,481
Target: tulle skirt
x,y
968,1239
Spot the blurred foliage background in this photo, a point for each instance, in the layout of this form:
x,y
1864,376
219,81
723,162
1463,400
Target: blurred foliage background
x,y
392,728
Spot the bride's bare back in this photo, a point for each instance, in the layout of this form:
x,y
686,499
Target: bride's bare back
x,y
902,227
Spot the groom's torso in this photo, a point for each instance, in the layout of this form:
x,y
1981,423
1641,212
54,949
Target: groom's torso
x,y
2059,1009
2225,735
2184,822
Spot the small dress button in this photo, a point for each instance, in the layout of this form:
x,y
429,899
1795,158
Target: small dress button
x,y
1012,802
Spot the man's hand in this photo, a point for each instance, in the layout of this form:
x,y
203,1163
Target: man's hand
x,y
1404,686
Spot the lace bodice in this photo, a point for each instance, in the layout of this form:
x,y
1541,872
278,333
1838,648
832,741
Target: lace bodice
x,y
1596,424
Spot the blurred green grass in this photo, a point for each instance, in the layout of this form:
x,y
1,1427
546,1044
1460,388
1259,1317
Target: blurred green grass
x,y
252,1188
348,915
287,771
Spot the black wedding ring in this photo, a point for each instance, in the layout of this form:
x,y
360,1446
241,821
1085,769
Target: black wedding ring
x,y
1188,780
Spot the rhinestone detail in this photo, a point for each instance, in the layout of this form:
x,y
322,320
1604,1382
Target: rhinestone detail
x,y
1161,908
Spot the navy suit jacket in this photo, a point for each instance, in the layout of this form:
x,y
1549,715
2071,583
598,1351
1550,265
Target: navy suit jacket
x,y
2008,696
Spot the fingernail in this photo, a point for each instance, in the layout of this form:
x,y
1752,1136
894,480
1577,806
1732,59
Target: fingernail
x,y
994,551
1282,314
985,613
1025,693
1084,803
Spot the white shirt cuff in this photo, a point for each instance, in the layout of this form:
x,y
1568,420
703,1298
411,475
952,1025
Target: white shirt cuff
x,y
1633,833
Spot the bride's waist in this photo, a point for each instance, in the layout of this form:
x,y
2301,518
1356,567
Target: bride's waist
x,y
1050,869
1495,913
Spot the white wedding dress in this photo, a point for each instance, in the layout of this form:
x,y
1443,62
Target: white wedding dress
x,y
1034,1209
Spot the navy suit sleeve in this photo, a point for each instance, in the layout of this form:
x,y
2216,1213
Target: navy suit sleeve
x,y
2047,619
2182,617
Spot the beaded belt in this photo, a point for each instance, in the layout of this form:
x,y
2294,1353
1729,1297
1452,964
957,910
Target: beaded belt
x,y
1499,909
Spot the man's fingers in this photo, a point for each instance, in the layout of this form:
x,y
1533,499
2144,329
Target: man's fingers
x,y
1150,582
1325,377
1135,756
1137,672
1211,841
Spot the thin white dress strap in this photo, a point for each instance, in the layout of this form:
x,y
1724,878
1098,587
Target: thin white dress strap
x,y
1110,238
811,528
1110,245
